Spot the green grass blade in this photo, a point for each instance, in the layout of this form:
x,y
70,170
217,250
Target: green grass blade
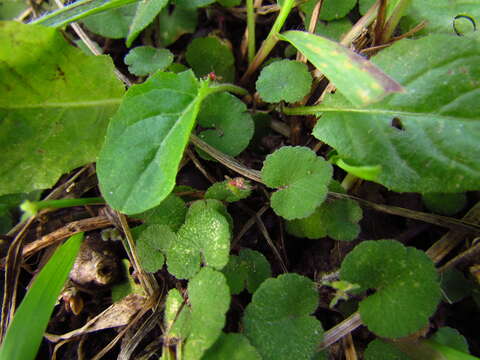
x,y
25,332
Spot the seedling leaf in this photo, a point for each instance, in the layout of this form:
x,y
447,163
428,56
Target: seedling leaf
x,y
146,139
232,346
230,190
146,12
408,289
210,54
152,244
247,270
286,80
209,298
47,106
358,79
228,125
278,322
173,25
380,350
144,60
425,140
204,238
298,174
113,23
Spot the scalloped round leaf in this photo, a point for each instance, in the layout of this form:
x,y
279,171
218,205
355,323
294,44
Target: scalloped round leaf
x,y
209,298
232,346
408,289
247,270
451,337
229,190
172,25
425,140
278,322
177,317
445,204
144,60
380,350
204,238
331,9
286,80
52,118
210,54
301,177
200,206
170,212
227,125
336,218
152,244
113,23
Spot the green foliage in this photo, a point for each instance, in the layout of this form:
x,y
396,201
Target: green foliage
x,y
445,204
10,9
331,9
194,3
454,285
127,286
146,12
174,24
359,80
286,80
210,54
144,60
171,212
146,139
113,23
450,337
229,3
204,238
298,174
48,105
435,149
25,332
177,319
405,279
209,299
380,350
336,218
227,125
333,29
278,322
233,347
229,190
152,244
246,271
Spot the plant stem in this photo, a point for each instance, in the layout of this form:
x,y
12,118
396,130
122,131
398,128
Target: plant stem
x,y
32,207
214,88
270,41
251,30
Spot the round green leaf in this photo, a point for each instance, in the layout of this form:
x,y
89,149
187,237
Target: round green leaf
x,y
278,321
229,127
331,9
286,80
174,24
445,204
232,346
210,54
333,29
144,60
113,23
380,350
170,212
451,337
152,243
302,179
455,286
408,290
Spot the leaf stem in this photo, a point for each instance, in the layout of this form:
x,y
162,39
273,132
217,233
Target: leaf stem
x,y
251,30
215,88
31,208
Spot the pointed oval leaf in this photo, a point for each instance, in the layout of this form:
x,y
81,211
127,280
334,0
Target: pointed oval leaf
x,y
278,321
113,23
298,174
146,139
425,140
408,290
52,118
359,80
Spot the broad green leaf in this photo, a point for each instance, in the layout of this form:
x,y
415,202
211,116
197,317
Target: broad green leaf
x,y
331,9
170,212
247,270
425,140
144,60
408,290
455,286
147,10
298,174
194,3
445,204
333,29
336,218
440,16
204,238
278,322
364,5
358,79
52,117
146,139
113,23
10,9
230,190
152,244
286,80
200,206
232,346
229,3
177,318
25,332
226,124
447,352
380,350
210,54
209,298
450,337
174,24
